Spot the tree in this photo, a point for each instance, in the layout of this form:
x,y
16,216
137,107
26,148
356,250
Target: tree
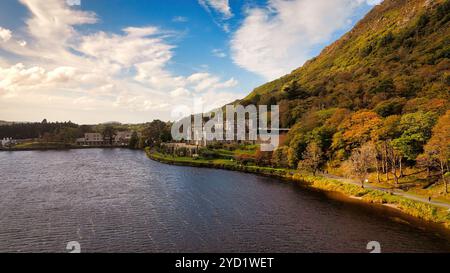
x,y
390,107
280,157
394,159
312,158
134,141
362,160
416,131
292,90
142,143
389,130
156,132
356,130
108,134
263,158
438,148
296,148
67,135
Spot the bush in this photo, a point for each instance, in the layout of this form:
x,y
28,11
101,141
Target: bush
x,y
208,154
244,159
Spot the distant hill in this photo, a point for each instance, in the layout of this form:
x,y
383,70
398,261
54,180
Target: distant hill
x,y
2,122
396,58
112,123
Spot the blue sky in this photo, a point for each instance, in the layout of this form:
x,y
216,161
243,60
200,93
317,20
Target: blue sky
x,y
136,60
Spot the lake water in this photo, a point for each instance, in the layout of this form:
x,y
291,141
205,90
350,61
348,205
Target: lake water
x,y
112,200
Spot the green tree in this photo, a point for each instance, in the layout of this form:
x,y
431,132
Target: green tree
x,y
292,90
156,132
296,148
416,131
134,141
108,134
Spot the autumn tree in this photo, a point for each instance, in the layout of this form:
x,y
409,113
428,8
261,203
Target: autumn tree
x,y
280,157
362,160
394,157
263,158
356,130
312,158
382,136
438,148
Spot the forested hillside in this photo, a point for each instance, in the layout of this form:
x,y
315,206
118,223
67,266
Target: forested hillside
x,y
376,100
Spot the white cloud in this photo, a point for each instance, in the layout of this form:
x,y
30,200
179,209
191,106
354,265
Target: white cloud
x,y
273,41
220,6
5,34
202,82
180,92
53,19
219,53
180,19
19,76
61,74
133,48
110,75
22,43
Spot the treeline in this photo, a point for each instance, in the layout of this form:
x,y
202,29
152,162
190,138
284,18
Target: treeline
x,y
361,142
41,130
147,134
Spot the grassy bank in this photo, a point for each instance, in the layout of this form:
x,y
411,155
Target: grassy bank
x,y
40,146
414,208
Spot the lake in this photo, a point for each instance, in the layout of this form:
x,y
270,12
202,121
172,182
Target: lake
x,y
117,200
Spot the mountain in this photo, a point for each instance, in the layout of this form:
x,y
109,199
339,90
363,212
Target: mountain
x,y
394,61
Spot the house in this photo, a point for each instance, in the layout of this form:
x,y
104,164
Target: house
x,y
7,142
97,139
122,138
92,139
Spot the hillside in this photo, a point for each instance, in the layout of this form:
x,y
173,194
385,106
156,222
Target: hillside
x,y
399,52
2,122
375,101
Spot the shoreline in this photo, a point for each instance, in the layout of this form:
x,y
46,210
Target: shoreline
x,y
428,213
54,148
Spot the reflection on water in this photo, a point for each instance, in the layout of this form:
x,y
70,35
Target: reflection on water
x,y
114,200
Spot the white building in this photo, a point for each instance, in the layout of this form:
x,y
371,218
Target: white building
x,y
92,139
97,139
6,142
123,138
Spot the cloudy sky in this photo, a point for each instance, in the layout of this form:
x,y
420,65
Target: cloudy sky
x,y
93,61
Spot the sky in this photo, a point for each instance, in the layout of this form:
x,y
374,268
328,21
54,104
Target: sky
x,y
132,61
